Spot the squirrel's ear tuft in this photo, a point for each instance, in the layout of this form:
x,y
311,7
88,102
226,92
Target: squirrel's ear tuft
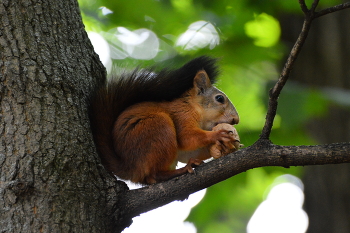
x,y
201,82
203,63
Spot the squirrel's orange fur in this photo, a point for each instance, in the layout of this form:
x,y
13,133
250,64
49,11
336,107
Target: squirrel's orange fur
x,y
143,140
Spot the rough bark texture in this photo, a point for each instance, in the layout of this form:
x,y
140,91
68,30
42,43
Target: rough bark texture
x,y
324,62
49,180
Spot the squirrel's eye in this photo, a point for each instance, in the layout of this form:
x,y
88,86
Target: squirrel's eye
x,y
220,98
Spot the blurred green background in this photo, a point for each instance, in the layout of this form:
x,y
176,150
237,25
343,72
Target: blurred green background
x,y
247,39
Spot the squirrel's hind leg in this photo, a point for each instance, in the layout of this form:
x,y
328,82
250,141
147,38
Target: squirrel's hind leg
x,y
167,175
161,148
145,136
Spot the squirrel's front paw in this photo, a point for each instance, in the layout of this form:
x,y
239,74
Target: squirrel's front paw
x,y
229,143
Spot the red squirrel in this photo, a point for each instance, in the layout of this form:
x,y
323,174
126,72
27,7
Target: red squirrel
x,y
144,122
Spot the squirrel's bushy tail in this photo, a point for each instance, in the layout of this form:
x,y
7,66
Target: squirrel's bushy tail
x,y
141,85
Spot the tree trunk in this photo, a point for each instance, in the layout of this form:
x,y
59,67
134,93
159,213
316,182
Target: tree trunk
x,y
324,62
51,180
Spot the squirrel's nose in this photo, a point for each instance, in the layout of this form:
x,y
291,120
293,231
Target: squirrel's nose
x,y
235,120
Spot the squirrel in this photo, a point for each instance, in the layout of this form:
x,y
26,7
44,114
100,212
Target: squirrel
x,y
144,122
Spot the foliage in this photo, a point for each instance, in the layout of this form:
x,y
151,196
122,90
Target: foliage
x,y
251,53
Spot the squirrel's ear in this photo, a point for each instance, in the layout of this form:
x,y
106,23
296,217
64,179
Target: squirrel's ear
x,y
201,81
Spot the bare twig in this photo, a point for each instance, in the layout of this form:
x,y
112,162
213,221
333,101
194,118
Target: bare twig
x,y
332,9
276,90
303,6
314,5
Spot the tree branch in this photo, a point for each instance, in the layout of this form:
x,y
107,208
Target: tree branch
x,y
332,9
276,90
261,154
303,6
313,6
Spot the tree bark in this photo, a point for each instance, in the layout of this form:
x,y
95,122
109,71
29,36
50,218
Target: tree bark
x,y
50,177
